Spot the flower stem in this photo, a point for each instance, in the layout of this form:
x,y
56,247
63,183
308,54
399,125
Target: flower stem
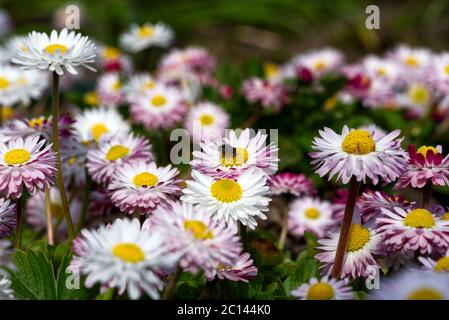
x,y
85,206
50,235
345,227
19,212
244,236
168,292
59,176
283,235
426,193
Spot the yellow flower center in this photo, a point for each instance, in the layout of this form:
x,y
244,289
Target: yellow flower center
x,y
358,141
330,103
381,71
71,160
320,291
270,69
445,216
226,190
320,65
425,294
423,150
116,86
312,213
4,83
419,94
16,156
116,152
442,264
53,48
419,218
36,122
145,179
91,98
206,120
412,61
98,130
199,229
128,252
111,53
145,31
239,157
7,113
358,237
158,101
150,84
446,69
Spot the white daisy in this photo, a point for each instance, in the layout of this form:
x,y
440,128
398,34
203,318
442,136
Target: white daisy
x,y
231,200
413,59
138,85
91,125
309,214
109,90
139,38
57,51
324,289
124,256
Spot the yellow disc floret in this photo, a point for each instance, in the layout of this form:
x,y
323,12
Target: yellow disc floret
x,y
16,157
312,213
116,152
358,237
226,190
238,157
129,252
4,83
358,141
320,291
423,150
145,31
98,130
425,294
419,218
53,48
419,94
145,179
158,101
199,229
206,120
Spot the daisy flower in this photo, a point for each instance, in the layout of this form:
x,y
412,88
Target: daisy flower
x,y
425,165
7,217
371,202
112,60
309,214
441,67
91,125
138,85
162,107
113,152
324,289
123,256
138,38
356,153
142,186
413,285
385,69
232,155
363,243
413,59
36,212
231,200
296,184
6,293
206,121
269,95
73,157
416,96
412,230
204,243
438,265
26,162
109,90
56,52
242,269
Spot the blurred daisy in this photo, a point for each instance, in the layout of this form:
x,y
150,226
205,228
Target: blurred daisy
x,y
206,121
7,217
73,157
385,69
231,200
6,293
441,74
371,202
425,165
269,95
109,90
242,269
438,265
142,186
114,152
91,125
356,153
138,38
416,96
363,244
412,230
111,59
324,289
203,242
138,85
413,285
413,59
26,162
36,212
232,155
123,256
296,184
162,107
309,214
56,52
318,62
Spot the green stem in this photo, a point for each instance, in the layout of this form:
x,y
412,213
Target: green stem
x,y
426,194
85,207
19,212
170,289
59,176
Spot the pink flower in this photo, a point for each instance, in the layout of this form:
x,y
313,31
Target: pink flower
x,y
269,95
296,184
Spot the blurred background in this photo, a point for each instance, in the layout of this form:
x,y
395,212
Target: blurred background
x,y
271,30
